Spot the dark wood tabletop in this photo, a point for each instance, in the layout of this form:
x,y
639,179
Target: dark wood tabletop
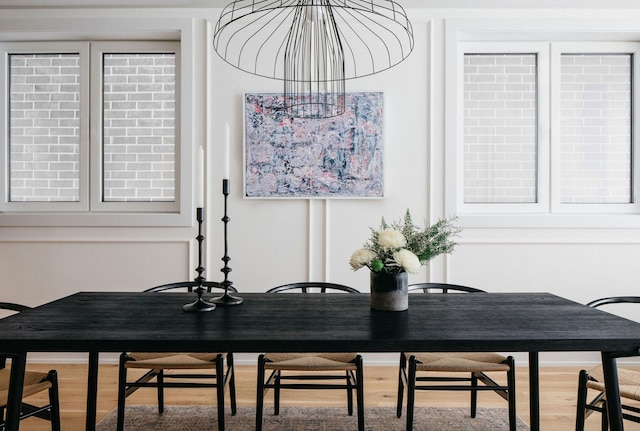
x,y
510,322
97,322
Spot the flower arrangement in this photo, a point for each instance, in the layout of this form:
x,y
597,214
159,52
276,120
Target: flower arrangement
x,y
403,247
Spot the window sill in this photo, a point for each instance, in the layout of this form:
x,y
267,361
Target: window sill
x,y
537,221
22,219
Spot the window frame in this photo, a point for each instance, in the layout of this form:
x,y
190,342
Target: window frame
x,y
557,50
6,50
547,213
98,49
180,31
542,129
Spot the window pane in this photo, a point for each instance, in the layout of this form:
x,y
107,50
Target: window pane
x,y
596,129
44,136
139,127
500,145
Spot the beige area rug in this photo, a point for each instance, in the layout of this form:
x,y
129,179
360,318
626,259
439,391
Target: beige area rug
x,y
196,418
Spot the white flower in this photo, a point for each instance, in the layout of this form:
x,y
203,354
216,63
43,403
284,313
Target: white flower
x,y
391,239
361,257
407,260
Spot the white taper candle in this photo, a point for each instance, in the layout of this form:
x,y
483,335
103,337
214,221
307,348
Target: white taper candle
x,y
226,152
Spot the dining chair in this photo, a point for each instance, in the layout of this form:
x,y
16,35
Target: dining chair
x,y
428,370
35,382
310,369
593,379
208,368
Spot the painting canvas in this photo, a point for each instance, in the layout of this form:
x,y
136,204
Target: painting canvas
x,y
339,157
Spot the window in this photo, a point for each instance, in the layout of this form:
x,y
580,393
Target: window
x,y
500,128
138,127
44,127
545,128
595,128
90,127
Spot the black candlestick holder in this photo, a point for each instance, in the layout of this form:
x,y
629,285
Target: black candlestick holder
x,y
200,304
226,299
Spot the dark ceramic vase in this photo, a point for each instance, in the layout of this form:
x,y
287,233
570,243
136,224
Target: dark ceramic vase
x,y
389,292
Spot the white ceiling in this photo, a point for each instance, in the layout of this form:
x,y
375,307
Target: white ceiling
x,y
508,4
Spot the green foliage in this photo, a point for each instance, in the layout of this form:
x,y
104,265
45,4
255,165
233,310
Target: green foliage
x,y
425,242
377,265
432,240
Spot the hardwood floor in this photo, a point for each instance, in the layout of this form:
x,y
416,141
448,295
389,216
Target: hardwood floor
x,y
557,397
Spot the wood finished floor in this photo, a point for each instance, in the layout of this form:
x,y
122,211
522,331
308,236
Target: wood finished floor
x,y
557,398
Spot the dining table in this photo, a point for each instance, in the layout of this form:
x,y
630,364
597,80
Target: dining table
x,y
96,322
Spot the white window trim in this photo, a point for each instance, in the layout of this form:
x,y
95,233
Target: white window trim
x,y
542,173
182,29
6,49
96,181
557,49
459,31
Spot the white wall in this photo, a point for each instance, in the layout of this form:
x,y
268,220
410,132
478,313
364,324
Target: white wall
x,y
279,241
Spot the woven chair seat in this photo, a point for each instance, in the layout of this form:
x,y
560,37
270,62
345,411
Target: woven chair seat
x,y
628,380
185,361
34,382
469,366
460,362
189,370
310,361
345,369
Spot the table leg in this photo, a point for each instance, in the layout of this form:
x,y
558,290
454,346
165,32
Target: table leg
x,y
612,388
16,384
534,391
92,391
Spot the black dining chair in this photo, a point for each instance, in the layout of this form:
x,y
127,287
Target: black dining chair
x,y
310,367
428,370
35,382
207,369
593,380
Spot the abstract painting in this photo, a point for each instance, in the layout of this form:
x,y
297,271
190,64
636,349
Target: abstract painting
x,y
338,157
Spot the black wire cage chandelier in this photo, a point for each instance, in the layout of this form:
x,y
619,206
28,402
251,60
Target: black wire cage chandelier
x,y
313,46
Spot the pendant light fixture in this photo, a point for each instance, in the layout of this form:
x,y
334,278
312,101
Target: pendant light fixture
x,y
313,46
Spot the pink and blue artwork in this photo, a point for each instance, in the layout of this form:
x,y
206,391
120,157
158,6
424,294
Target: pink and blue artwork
x,y
338,157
